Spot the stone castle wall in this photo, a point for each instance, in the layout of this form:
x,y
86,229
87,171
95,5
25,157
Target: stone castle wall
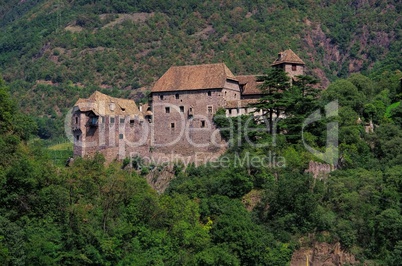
x,y
181,124
294,70
183,121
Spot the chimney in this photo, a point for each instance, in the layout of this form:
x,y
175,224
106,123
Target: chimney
x,y
112,106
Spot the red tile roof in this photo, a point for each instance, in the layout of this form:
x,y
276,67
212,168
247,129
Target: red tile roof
x,y
195,77
288,56
250,84
102,104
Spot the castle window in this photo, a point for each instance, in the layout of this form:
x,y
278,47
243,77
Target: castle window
x,y
161,97
121,120
202,123
172,125
120,136
181,109
103,119
190,112
210,109
93,121
112,120
230,111
131,122
293,67
167,110
76,119
209,93
77,137
177,96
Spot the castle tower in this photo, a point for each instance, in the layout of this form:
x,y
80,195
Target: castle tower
x,y
290,63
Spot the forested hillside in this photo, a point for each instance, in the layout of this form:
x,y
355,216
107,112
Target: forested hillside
x,y
49,50
224,213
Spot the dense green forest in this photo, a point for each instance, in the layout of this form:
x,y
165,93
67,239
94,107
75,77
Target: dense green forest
x,y
96,214
52,52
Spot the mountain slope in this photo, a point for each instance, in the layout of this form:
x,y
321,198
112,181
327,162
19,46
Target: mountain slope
x,y
129,44
91,43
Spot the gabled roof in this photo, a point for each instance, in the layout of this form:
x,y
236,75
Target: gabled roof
x,y
250,84
102,104
288,56
195,77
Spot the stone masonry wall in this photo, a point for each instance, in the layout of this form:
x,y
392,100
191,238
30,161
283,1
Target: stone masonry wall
x,y
292,73
183,120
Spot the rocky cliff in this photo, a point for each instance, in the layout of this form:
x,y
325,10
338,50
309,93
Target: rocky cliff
x,y
322,254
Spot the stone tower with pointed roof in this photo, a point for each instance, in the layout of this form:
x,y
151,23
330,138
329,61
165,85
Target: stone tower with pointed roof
x,y
290,63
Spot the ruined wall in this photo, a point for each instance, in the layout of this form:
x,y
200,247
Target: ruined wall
x,y
319,170
181,128
116,137
77,119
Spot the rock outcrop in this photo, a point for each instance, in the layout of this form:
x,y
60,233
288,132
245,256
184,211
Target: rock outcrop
x,y
319,170
323,254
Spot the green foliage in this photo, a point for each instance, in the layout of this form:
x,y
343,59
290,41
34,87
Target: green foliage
x,y
391,108
7,108
396,114
92,213
346,93
363,84
103,44
275,86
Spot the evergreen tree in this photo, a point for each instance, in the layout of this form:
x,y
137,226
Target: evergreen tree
x,y
275,85
302,101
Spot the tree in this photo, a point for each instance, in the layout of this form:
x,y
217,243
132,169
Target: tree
x,y
7,108
302,101
346,93
275,85
363,84
388,228
396,114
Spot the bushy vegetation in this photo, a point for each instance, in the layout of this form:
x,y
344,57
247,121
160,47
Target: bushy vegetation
x,y
51,53
90,213
357,205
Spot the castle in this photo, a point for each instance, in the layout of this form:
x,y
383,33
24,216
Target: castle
x,y
177,122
